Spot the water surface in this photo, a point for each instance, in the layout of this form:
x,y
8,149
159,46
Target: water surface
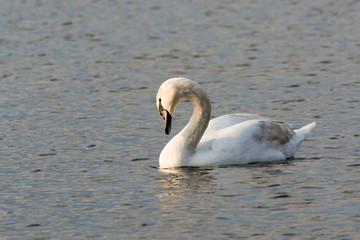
x,y
80,135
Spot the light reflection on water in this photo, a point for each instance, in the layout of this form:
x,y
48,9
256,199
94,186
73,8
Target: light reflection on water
x,y
80,135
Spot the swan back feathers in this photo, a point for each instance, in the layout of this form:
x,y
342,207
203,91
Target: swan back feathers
x,y
277,134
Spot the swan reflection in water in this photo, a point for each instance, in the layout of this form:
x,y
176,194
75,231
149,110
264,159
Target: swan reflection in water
x,y
189,178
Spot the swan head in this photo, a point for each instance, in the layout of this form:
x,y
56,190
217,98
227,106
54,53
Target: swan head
x,y
172,91
167,98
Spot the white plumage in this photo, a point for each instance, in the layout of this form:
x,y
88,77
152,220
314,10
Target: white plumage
x,y
225,140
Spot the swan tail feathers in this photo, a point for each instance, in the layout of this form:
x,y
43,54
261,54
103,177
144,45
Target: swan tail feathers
x,y
303,132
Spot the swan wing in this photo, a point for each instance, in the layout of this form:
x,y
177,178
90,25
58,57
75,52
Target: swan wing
x,y
228,120
255,140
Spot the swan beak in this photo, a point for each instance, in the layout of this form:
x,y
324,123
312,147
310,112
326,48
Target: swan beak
x,y
167,118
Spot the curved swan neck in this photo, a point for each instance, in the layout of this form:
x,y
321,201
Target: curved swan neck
x,y
179,150
200,118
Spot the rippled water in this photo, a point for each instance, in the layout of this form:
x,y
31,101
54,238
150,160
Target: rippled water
x,y
80,135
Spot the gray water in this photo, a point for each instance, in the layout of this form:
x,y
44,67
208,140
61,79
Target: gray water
x,y
80,134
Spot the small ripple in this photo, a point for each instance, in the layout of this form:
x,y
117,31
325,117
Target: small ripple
x,y
33,225
282,196
354,165
140,159
46,154
293,86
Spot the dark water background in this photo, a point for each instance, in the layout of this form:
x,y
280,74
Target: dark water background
x,y
80,135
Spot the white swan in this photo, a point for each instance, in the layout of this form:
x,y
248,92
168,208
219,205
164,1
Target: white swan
x,y
225,140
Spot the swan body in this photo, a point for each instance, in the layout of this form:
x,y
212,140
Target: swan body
x,y
225,140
